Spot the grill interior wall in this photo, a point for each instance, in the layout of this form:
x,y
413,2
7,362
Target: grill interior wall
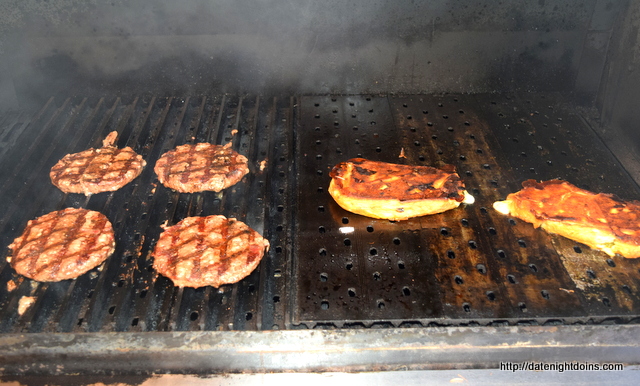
x,y
585,49
329,47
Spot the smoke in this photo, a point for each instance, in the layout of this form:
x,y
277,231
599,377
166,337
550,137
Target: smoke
x,y
284,46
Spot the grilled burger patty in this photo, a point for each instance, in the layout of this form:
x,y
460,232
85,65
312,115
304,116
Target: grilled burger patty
x,y
213,250
600,221
198,167
97,170
395,192
62,245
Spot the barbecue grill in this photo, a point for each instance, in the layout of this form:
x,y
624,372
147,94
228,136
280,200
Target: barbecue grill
x,y
505,93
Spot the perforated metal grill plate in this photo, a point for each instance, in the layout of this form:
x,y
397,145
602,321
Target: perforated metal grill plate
x,y
467,265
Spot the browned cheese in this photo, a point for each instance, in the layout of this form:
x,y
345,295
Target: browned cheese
x,y
395,192
600,220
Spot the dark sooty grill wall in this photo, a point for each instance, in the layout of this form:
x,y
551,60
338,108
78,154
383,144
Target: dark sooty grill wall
x,y
504,91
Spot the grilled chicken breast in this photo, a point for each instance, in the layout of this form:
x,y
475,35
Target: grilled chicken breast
x,y
62,245
97,170
199,167
212,250
395,192
600,221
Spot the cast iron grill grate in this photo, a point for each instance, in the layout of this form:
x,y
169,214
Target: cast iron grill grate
x,y
466,266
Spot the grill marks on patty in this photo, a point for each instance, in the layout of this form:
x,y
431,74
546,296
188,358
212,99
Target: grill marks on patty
x,y
62,245
212,250
203,166
97,170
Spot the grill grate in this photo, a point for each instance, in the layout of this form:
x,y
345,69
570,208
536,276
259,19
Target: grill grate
x,y
125,294
469,265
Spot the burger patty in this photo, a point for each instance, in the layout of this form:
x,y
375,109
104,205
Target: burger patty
x,y
198,167
396,192
600,221
213,250
62,245
97,170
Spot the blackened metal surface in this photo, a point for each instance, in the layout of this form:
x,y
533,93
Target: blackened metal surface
x,y
468,265
465,266
125,293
